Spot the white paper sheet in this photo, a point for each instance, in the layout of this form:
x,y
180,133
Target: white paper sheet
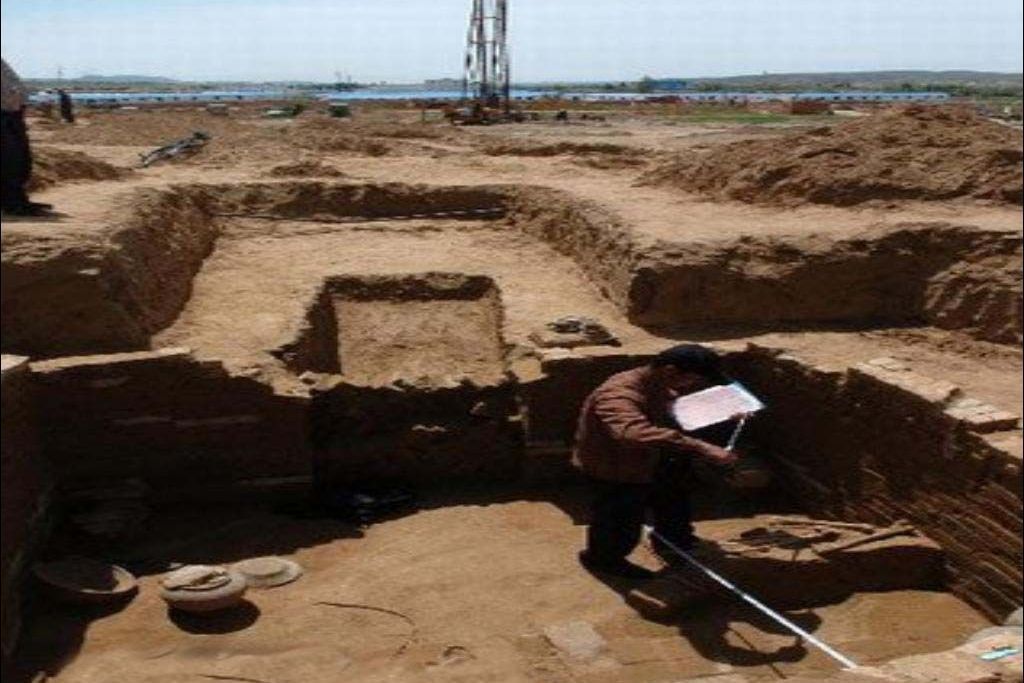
x,y
714,405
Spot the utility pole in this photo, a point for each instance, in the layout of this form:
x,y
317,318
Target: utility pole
x,y
486,78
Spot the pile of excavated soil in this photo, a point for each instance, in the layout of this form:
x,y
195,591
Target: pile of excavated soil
x,y
525,148
334,135
245,137
51,166
599,155
400,131
305,169
923,153
145,128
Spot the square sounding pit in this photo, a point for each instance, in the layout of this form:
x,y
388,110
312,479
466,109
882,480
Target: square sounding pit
x,y
427,330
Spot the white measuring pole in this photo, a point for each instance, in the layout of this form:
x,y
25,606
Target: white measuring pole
x,y
746,597
736,434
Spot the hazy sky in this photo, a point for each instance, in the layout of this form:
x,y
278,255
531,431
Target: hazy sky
x,y
408,40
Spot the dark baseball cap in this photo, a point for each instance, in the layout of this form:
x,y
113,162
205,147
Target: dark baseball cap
x,y
694,358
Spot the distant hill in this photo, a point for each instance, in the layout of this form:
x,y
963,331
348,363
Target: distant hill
x,y
127,78
959,82
841,77
871,80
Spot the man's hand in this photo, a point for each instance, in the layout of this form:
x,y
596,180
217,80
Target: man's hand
x,y
718,455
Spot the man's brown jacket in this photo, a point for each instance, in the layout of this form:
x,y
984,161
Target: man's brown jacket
x,y
618,437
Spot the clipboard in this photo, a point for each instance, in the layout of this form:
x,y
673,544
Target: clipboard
x,y
712,406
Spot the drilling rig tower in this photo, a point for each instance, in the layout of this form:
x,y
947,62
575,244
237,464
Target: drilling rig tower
x,y
486,80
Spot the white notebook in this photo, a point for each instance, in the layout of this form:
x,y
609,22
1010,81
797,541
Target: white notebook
x,y
714,405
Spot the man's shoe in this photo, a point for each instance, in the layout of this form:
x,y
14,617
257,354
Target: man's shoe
x,y
623,569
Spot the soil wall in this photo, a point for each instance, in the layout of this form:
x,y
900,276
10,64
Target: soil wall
x,y
26,493
951,276
112,289
981,293
304,199
109,290
433,437
878,443
594,238
874,443
554,391
185,427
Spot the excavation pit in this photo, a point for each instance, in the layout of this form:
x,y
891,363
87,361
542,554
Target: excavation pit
x,y
511,545
428,330
283,337
182,265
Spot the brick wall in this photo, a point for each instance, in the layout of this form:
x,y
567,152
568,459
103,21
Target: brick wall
x,y
875,443
26,489
878,443
186,427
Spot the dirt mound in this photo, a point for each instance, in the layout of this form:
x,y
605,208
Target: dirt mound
x,y
400,131
610,162
333,135
523,148
924,153
305,169
144,128
52,166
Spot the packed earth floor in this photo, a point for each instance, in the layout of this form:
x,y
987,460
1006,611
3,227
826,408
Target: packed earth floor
x,y
394,277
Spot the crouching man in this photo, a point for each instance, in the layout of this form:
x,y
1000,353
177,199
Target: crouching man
x,y
626,445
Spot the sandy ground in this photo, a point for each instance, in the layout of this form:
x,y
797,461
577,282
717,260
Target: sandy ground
x,y
258,273
463,591
460,591
260,269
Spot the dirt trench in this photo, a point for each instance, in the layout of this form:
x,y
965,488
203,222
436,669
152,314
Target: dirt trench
x,y
112,289
115,289
108,290
943,274
909,274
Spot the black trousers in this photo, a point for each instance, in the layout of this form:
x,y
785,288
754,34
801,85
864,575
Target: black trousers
x,y
16,158
619,511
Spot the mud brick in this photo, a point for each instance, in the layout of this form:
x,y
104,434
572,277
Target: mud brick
x,y
950,543
1009,479
1000,503
1012,570
27,488
992,532
887,363
957,527
217,421
141,421
878,512
981,417
992,575
1005,495
938,392
1006,518
992,600
109,365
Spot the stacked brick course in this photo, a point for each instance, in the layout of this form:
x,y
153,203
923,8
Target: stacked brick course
x,y
879,443
875,443
26,489
180,424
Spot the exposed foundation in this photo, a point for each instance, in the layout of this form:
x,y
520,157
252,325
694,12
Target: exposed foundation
x,y
275,339
425,330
